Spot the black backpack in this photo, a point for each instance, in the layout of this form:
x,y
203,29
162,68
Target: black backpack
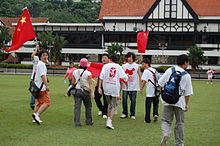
x,y
170,93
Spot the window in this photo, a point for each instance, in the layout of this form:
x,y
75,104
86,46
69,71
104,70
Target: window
x,y
170,8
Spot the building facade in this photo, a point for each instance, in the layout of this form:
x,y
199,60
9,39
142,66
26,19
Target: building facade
x,y
174,26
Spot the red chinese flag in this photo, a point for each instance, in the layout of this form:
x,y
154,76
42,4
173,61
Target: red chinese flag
x,y
142,38
95,69
24,32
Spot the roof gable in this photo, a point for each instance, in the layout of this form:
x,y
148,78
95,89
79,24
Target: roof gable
x,y
170,9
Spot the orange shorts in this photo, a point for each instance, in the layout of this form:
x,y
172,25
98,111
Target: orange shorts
x,y
43,98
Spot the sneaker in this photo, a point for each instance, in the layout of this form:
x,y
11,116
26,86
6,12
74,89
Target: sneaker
x,y
155,118
100,113
109,125
164,141
35,121
123,116
36,118
104,117
133,117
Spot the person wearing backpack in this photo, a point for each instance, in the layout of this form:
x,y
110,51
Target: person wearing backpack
x,y
176,88
149,78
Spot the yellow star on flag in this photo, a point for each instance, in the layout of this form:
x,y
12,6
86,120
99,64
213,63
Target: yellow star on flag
x,y
23,20
19,29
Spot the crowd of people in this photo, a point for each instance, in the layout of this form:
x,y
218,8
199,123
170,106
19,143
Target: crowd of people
x,y
114,83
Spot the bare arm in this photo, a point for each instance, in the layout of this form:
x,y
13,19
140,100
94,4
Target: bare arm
x,y
91,86
139,72
143,83
35,51
44,79
73,80
65,76
187,103
100,86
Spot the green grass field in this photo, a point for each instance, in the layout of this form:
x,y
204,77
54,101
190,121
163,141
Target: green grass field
x,y
202,121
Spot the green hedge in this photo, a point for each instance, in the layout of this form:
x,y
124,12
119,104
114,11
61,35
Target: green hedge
x,y
23,66
161,69
30,66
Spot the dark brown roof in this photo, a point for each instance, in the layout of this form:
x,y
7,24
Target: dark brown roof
x,y
8,22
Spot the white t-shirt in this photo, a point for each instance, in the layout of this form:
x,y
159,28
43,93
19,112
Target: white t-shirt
x,y
133,79
150,88
185,86
83,79
111,74
41,70
35,61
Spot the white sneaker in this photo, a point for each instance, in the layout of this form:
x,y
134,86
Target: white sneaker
x,y
123,116
109,124
36,118
133,117
100,113
35,121
104,117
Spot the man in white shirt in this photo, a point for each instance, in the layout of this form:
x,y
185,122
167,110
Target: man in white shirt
x,y
149,78
43,100
130,87
35,60
110,80
178,109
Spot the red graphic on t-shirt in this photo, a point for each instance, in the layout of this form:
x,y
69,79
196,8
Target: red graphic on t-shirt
x,y
130,72
112,72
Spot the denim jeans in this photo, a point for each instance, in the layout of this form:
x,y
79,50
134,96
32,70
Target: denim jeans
x,y
32,101
132,95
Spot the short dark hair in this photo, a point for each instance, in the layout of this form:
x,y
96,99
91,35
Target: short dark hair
x,y
113,58
105,54
147,61
131,54
181,59
42,52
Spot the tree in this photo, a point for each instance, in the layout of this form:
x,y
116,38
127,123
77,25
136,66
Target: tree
x,y
5,37
53,43
58,45
116,49
196,57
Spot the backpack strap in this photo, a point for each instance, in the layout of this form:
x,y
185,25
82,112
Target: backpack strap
x,y
80,77
173,71
154,77
184,73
